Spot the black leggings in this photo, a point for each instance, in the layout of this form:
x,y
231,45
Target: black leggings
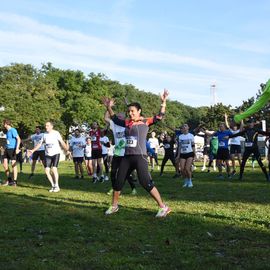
x,y
116,161
165,159
105,161
255,151
130,163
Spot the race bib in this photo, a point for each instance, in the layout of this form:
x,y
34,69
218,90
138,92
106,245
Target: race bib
x,y
8,142
184,148
49,145
248,144
221,144
131,141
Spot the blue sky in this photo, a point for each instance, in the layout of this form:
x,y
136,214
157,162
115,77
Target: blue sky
x,y
184,46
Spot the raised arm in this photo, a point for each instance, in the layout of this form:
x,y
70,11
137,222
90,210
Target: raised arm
x,y
163,98
109,103
226,121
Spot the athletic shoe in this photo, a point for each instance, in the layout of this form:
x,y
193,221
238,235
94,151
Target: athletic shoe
x,y
208,171
110,192
163,212
95,179
203,169
106,178
189,184
101,179
111,210
56,189
158,167
134,191
233,173
52,189
82,176
30,176
185,183
12,183
6,183
215,168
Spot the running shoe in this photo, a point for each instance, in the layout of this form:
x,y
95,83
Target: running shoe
x,y
95,179
56,189
101,179
203,169
12,183
110,192
185,183
189,183
52,189
4,184
233,172
111,210
163,212
106,178
134,191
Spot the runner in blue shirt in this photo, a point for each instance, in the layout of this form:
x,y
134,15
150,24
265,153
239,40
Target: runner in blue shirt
x,y
12,148
223,154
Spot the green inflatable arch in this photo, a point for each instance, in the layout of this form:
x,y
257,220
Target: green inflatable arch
x,y
260,103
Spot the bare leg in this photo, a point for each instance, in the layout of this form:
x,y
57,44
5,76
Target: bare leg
x,y
155,194
14,169
49,176
55,176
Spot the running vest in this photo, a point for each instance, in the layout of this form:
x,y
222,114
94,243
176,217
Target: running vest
x,y
95,139
136,132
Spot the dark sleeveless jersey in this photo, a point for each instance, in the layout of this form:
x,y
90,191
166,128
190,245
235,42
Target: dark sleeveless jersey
x,y
251,136
136,133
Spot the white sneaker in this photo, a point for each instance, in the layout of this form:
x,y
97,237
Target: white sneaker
x,y
189,184
56,189
163,212
112,210
185,183
106,178
203,169
52,189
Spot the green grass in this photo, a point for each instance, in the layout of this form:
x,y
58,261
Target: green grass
x,y
219,224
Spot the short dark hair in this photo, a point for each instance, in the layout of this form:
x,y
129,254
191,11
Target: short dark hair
x,y
135,104
39,127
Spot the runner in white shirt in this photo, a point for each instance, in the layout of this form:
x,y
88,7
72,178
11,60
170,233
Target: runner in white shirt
x,y
105,143
40,153
186,154
52,140
154,145
88,156
235,143
77,145
119,152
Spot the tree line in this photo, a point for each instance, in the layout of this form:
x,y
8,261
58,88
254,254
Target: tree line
x,y
31,96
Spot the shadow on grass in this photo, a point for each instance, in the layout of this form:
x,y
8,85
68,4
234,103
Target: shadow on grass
x,y
206,188
58,233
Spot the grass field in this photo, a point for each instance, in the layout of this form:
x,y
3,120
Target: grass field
x,y
218,224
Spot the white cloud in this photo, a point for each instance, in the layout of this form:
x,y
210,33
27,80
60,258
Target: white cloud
x,y
26,40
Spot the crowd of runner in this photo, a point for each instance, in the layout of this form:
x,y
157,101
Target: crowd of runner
x,y
131,153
